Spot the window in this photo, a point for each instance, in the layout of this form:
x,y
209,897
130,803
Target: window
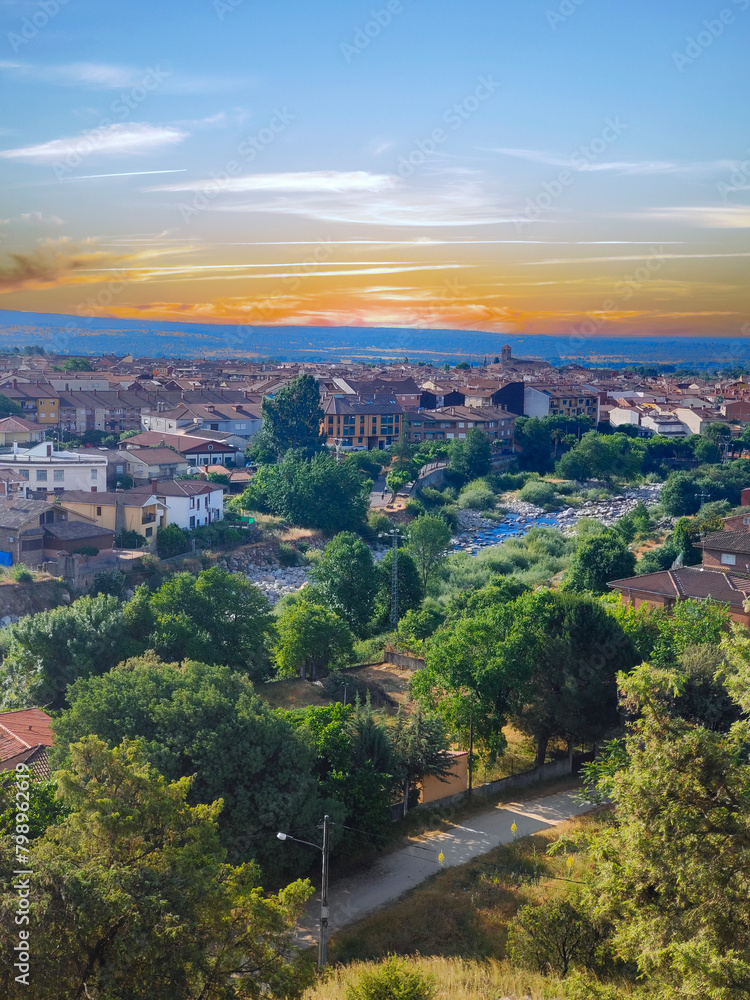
x,y
98,512
192,521
59,475
24,473
241,425
149,532
728,559
41,475
94,473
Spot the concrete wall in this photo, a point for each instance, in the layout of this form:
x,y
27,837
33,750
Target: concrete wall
x,y
403,660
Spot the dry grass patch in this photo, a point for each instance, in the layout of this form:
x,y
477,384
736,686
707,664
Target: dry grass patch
x,y
294,693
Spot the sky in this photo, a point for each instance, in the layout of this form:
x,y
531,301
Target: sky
x,y
568,167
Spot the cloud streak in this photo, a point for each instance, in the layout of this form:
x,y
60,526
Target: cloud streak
x,y
111,140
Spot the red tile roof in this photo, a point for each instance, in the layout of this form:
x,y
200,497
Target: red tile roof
x,y
23,730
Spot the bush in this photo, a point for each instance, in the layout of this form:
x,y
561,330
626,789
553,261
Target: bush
x,y
22,574
553,937
415,508
476,495
129,540
449,515
110,581
345,688
377,524
152,571
370,650
540,493
432,498
395,979
223,535
289,556
171,541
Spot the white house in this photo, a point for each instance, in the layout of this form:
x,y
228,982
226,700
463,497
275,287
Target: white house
x,y
189,503
55,471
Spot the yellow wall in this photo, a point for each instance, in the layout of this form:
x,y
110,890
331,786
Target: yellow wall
x,y
108,516
433,788
51,410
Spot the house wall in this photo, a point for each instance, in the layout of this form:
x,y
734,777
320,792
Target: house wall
x,y
433,788
712,560
535,403
739,522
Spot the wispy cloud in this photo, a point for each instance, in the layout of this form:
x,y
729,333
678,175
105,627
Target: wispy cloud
x,y
314,181
111,140
578,162
705,216
106,76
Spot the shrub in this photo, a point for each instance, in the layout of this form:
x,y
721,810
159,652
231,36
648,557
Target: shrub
x,y
110,581
223,535
395,979
370,650
129,540
377,524
289,556
415,508
22,574
449,515
171,541
540,493
433,498
476,495
553,937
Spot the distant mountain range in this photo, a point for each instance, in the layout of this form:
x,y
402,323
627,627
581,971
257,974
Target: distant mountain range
x,y
76,335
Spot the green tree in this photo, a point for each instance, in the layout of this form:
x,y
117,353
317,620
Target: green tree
x,y
45,807
552,937
598,560
532,435
686,533
603,456
9,407
292,417
671,875
171,540
46,652
420,748
134,866
396,480
311,639
428,542
472,457
394,979
77,365
409,586
679,495
347,581
203,720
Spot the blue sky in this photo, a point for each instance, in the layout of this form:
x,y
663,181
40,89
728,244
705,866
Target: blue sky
x,y
518,166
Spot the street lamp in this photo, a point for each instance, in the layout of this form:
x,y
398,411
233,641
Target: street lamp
x,y
325,851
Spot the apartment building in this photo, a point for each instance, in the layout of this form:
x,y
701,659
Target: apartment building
x,y
119,511
241,419
454,423
48,470
189,504
356,424
561,400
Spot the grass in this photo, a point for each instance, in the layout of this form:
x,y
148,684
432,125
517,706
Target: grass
x,y
294,693
463,912
454,979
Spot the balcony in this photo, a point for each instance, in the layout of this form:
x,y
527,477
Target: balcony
x,y
148,518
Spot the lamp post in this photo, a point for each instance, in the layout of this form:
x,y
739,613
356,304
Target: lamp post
x,y
325,851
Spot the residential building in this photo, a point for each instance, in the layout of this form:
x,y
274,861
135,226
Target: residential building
x,y
48,470
438,395
12,484
455,422
197,448
664,424
561,400
241,419
189,503
124,510
145,464
351,423
16,430
25,736
666,587
28,531
727,550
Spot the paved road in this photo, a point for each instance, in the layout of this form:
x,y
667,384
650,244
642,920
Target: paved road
x,y
394,874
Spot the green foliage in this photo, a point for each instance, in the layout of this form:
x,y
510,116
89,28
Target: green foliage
x,y
679,495
218,617
396,480
171,540
289,556
87,551
317,493
131,896
46,652
129,540
540,493
476,495
310,639
394,979
292,417
110,581
409,585
417,625
45,809
603,456
420,748
684,538
9,407
207,721
428,542
553,937
77,365
688,623
221,535
598,560
471,457
21,573
347,580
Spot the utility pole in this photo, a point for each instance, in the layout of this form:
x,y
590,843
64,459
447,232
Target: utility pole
x,y
395,535
471,751
323,944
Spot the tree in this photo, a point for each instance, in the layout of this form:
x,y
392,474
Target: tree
x,y
218,617
686,533
598,560
718,432
420,748
292,418
394,978
533,437
553,937
671,875
310,639
409,586
472,456
9,407
396,480
46,652
347,581
77,365
171,540
603,456
679,495
429,538
132,867
205,721
319,493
